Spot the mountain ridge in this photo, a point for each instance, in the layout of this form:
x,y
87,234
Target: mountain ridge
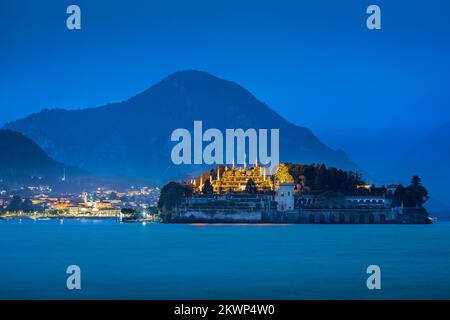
x,y
116,138
23,157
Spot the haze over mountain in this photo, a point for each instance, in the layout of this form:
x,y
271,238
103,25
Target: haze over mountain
x,y
22,157
132,138
23,163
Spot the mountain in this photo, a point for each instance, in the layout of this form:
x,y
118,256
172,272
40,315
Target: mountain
x,y
132,138
22,157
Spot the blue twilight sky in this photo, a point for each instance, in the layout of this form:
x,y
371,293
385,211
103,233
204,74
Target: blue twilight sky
x,y
314,62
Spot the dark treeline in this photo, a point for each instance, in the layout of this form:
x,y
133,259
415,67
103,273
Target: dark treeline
x,y
415,195
172,195
320,178
17,204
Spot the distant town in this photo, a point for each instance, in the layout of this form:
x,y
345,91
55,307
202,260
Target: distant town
x,y
43,202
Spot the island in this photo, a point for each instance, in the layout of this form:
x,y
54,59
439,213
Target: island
x,y
295,193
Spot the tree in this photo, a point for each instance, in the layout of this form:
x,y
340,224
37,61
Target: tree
x,y
207,187
251,187
128,211
27,205
309,174
296,171
415,194
416,181
15,205
113,196
282,175
320,182
172,195
399,196
320,178
333,179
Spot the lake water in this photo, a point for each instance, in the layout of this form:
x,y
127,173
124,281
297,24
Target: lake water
x,y
158,261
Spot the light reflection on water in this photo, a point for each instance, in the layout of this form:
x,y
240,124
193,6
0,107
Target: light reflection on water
x,y
240,224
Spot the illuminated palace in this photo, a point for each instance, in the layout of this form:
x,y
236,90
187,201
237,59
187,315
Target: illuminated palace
x,y
232,179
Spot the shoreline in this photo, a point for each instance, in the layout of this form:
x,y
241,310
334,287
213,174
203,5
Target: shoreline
x,y
43,218
194,221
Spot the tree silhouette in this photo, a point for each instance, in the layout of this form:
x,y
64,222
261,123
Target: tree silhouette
x,y
207,187
27,205
251,187
172,195
320,182
15,205
415,195
399,196
416,181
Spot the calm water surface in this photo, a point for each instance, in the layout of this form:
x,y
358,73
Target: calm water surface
x,y
157,261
